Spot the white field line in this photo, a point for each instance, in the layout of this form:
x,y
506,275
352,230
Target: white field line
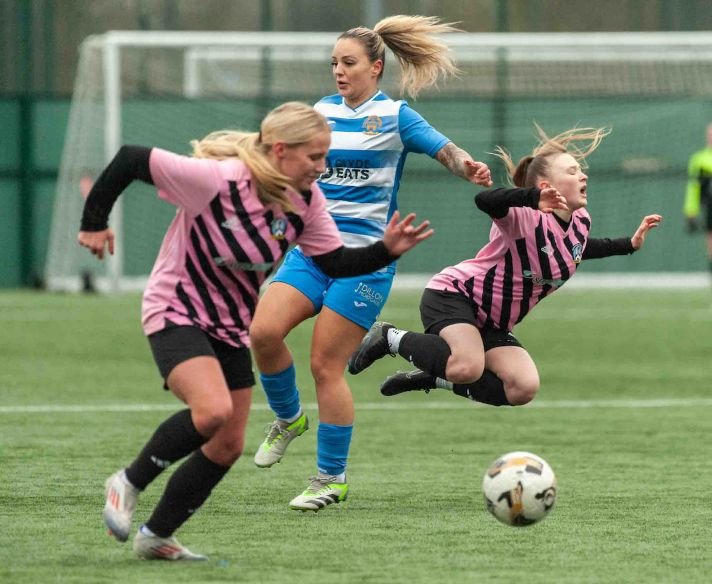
x,y
608,313
455,404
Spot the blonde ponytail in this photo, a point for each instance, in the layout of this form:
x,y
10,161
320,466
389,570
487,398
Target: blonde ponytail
x,y
423,57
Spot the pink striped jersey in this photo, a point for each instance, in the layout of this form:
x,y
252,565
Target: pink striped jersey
x,y
222,244
529,255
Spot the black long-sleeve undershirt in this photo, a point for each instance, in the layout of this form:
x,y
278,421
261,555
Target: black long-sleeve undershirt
x,y
132,163
604,247
497,202
346,262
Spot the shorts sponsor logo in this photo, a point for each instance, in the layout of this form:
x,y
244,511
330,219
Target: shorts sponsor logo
x,y
368,294
359,304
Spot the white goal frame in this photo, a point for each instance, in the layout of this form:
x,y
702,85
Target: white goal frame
x,y
467,47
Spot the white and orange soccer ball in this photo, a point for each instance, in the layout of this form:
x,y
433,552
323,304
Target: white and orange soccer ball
x,y
519,488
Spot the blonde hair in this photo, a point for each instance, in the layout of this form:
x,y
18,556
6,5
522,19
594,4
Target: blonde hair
x,y
293,123
423,57
536,165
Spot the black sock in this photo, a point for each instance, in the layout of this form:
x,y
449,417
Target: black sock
x,y
427,352
185,492
175,438
488,389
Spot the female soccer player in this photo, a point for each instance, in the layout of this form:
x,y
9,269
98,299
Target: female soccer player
x,y
372,134
540,234
242,199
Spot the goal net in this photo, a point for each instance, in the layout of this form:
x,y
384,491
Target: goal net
x,y
165,88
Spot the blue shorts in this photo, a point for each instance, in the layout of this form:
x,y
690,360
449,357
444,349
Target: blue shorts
x,y
359,299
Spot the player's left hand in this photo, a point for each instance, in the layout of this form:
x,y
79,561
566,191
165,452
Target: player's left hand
x,y
400,236
478,173
649,222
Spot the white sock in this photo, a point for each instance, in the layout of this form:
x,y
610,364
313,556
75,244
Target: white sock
x,y
443,383
340,478
394,337
146,531
293,418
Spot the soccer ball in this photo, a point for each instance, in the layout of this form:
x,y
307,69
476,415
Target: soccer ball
x,y
519,488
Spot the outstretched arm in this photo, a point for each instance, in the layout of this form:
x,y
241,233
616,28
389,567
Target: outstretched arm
x,y
399,237
461,164
497,202
597,248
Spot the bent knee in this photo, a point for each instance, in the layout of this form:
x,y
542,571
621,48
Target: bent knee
x,y
325,369
264,336
464,371
209,419
227,452
522,392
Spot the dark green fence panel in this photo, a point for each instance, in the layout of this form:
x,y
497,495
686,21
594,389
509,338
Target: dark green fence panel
x,y
639,169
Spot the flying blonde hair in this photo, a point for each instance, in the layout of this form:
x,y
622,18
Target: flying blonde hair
x,y
579,142
293,123
423,57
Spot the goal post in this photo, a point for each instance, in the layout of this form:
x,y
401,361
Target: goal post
x,y
163,89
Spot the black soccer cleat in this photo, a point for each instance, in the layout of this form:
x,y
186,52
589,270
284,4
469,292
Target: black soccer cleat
x,y
403,381
373,347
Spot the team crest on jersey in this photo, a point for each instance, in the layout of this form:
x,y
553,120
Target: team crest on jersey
x,y
278,228
372,125
577,253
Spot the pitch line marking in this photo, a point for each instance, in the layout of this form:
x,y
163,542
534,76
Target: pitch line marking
x,y
454,404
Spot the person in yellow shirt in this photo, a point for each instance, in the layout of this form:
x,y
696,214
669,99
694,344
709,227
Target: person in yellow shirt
x,y
699,192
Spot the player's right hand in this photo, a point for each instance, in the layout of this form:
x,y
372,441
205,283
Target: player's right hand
x,y
550,199
97,241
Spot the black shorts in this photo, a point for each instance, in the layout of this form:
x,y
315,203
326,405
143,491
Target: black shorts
x,y
175,344
441,309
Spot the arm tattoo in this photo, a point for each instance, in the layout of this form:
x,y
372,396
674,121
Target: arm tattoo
x,y
453,158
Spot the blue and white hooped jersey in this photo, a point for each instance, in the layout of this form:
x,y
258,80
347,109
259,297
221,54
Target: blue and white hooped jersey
x,y
369,145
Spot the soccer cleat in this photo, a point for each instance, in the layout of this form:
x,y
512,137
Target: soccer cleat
x,y
373,346
403,381
279,435
322,491
121,498
152,547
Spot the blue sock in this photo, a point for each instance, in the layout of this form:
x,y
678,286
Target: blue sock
x,y
282,392
332,448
